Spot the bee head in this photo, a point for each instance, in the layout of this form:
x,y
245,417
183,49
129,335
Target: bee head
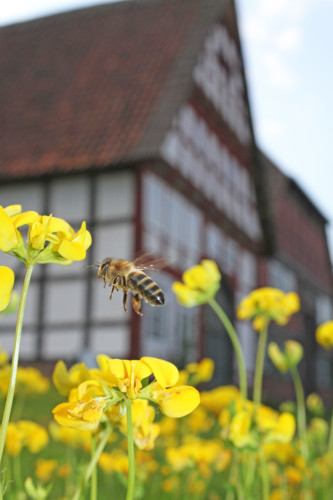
x,y
102,270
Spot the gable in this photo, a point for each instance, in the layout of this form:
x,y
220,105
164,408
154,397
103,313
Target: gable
x,y
210,140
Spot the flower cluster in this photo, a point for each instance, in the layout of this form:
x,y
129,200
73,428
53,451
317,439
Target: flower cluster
x,y
200,284
266,304
102,395
49,239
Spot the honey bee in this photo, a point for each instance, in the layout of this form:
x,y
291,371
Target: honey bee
x,y
129,276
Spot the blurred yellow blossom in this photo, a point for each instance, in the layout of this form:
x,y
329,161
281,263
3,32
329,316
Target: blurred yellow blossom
x,y
200,284
283,453
200,372
284,361
324,334
266,304
315,404
4,356
29,380
116,461
65,380
71,437
220,397
44,469
25,433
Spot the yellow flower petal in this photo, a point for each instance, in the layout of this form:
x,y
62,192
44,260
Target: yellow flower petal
x,y
177,401
72,250
165,372
13,209
186,296
8,235
7,278
25,218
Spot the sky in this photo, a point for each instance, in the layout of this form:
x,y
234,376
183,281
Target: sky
x,y
287,48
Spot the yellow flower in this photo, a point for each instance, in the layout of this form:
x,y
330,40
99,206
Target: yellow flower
x,y
294,475
49,240
64,470
201,284
283,453
324,334
3,357
6,284
25,433
83,415
200,420
71,436
200,372
42,229
318,430
219,398
74,246
14,440
266,304
119,379
240,429
65,380
44,469
29,380
284,429
128,376
287,360
315,404
35,436
117,461
145,431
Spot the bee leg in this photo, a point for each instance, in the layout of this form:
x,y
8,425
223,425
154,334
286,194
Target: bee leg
x,y
124,285
125,299
112,290
136,304
115,281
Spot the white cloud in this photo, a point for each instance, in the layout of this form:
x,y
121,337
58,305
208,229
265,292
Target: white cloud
x,y
270,130
254,29
278,73
289,40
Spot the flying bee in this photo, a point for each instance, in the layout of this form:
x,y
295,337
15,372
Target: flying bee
x,y
129,276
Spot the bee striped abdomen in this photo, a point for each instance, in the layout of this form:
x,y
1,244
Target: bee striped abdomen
x,y
145,287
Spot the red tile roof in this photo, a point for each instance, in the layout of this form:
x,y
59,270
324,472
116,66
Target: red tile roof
x,y
96,86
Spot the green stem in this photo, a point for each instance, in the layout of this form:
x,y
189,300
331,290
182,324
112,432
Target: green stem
x,y
17,473
330,441
235,343
15,359
259,368
301,413
93,462
131,458
264,475
301,423
93,483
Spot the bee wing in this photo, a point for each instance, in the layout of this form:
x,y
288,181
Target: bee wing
x,y
146,261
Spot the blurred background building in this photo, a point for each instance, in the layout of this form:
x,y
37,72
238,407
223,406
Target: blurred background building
x,y
134,116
